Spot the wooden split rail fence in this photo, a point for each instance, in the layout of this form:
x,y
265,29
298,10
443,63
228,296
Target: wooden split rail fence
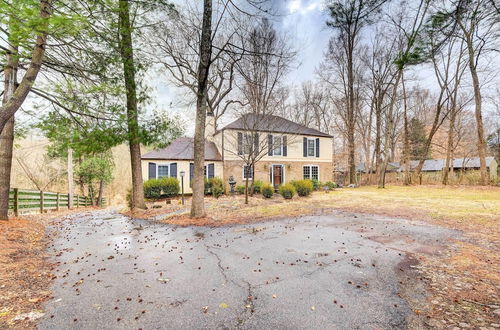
x,y
29,200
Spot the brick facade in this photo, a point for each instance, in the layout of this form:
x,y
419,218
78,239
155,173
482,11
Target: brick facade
x,y
292,170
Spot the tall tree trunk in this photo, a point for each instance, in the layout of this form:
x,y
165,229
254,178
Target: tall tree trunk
x,y
197,205
246,190
389,131
101,193
70,178
449,149
378,135
7,134
406,138
481,143
350,114
127,55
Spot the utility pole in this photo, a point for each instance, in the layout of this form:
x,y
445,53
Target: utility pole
x,y
70,178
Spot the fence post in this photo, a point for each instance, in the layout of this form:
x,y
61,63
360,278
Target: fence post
x,y
41,201
77,201
16,202
57,202
69,204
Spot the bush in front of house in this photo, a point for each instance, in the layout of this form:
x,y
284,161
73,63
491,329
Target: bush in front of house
x,y
287,191
316,184
267,191
303,187
257,186
240,189
164,187
216,187
330,185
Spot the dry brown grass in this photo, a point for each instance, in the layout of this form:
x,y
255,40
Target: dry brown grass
x,y
25,272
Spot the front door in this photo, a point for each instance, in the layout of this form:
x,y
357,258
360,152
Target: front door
x,y
277,175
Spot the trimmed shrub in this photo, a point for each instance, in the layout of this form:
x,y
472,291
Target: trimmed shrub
x,y
330,185
208,187
216,186
303,187
287,191
267,191
164,187
240,189
257,186
316,184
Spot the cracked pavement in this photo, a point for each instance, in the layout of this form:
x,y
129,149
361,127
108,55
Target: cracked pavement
x,y
335,271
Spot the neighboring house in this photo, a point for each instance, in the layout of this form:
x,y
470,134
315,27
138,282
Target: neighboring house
x,y
467,164
284,151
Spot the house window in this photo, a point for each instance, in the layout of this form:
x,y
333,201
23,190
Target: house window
x,y
162,171
248,144
311,172
311,147
277,146
247,172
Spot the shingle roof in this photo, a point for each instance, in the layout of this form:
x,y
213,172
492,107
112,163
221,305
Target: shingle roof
x,y
470,162
182,149
270,123
432,165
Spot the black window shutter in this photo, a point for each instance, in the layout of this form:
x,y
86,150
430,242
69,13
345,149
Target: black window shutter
x,y
191,173
256,149
240,143
269,145
211,170
152,171
284,146
173,170
305,147
317,147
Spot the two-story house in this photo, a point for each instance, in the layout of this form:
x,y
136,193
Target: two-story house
x,y
280,150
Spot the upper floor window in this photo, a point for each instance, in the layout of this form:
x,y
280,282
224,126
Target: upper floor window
x,y
311,147
277,146
248,143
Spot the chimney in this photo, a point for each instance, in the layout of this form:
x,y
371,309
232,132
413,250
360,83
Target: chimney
x,y
210,127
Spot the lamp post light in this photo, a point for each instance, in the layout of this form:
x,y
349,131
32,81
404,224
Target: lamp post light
x,y
182,173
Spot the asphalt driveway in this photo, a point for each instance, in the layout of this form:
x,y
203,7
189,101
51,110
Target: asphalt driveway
x,y
338,271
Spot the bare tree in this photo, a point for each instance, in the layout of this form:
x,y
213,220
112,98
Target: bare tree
x,y
348,18
268,58
178,51
408,54
478,23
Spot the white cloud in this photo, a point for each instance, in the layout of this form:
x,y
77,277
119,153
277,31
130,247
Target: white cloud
x,y
296,6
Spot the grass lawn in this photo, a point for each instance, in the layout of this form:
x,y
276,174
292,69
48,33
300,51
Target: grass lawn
x,y
464,207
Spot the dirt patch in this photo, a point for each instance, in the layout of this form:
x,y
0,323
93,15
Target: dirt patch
x,y
25,272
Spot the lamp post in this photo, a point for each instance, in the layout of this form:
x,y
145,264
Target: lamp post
x,y
182,173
